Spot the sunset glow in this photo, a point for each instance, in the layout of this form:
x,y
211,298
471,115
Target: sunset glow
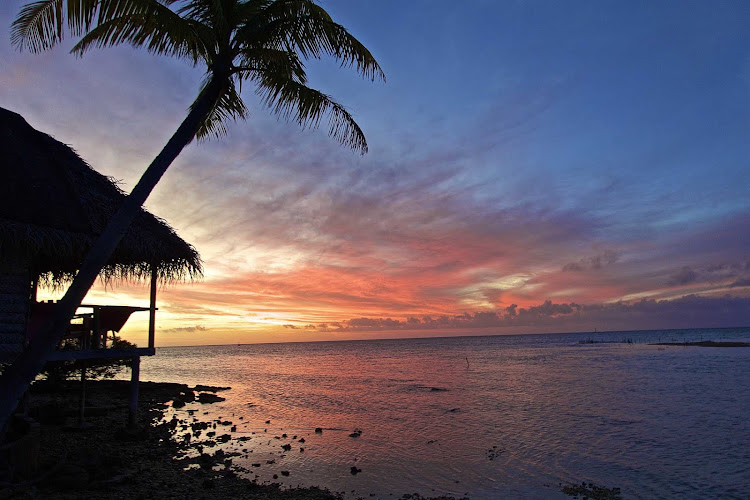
x,y
544,185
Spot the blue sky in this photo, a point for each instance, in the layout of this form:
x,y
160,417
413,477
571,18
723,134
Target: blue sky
x,y
580,153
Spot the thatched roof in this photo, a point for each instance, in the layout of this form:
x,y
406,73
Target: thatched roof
x,y
53,205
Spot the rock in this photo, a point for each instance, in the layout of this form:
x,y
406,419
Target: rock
x,y
205,461
318,430
268,421
354,471
208,397
286,447
233,429
224,438
356,433
285,473
301,440
210,388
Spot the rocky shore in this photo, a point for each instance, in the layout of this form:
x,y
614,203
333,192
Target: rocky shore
x,y
101,458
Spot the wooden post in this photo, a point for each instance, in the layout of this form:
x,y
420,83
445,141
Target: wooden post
x,y
152,308
82,400
34,287
135,373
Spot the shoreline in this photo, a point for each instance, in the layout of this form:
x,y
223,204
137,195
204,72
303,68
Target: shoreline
x,y
705,343
104,459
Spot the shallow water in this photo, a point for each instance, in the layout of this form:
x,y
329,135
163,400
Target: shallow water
x,y
487,417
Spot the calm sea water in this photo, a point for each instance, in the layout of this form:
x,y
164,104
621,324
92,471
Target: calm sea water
x,y
486,417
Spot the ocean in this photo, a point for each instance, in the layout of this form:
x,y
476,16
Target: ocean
x,y
485,416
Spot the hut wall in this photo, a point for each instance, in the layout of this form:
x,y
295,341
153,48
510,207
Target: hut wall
x,y
15,287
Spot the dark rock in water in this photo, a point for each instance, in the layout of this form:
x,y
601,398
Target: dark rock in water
x,y
283,435
270,462
199,425
256,465
438,389
211,434
219,454
275,476
453,410
285,473
494,452
354,471
286,447
356,433
224,438
301,450
178,403
592,491
318,430
268,421
233,429
210,388
301,440
208,397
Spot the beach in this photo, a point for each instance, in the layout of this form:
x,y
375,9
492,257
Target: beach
x,y
105,459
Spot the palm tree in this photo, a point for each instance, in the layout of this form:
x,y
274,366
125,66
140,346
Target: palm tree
x,y
263,42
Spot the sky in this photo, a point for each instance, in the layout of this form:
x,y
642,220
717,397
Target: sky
x,y
533,166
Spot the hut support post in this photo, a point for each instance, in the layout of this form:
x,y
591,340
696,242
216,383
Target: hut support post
x,y
82,400
135,373
152,308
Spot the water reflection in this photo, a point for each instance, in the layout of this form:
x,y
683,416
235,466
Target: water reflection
x,y
527,413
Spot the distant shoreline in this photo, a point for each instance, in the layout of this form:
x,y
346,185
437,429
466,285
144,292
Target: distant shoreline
x,y
706,343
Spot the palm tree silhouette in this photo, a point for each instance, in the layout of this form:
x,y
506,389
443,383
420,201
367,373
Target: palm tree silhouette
x,y
263,42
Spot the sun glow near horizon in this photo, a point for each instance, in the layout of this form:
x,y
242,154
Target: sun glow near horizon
x,y
549,184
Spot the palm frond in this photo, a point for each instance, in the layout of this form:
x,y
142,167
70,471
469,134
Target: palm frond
x,y
160,31
229,106
306,106
284,63
305,27
41,24
38,26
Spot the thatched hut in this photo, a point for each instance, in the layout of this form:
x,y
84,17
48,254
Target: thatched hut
x,y
53,206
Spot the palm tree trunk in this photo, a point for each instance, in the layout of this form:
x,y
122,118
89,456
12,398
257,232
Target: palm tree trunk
x,y
17,377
